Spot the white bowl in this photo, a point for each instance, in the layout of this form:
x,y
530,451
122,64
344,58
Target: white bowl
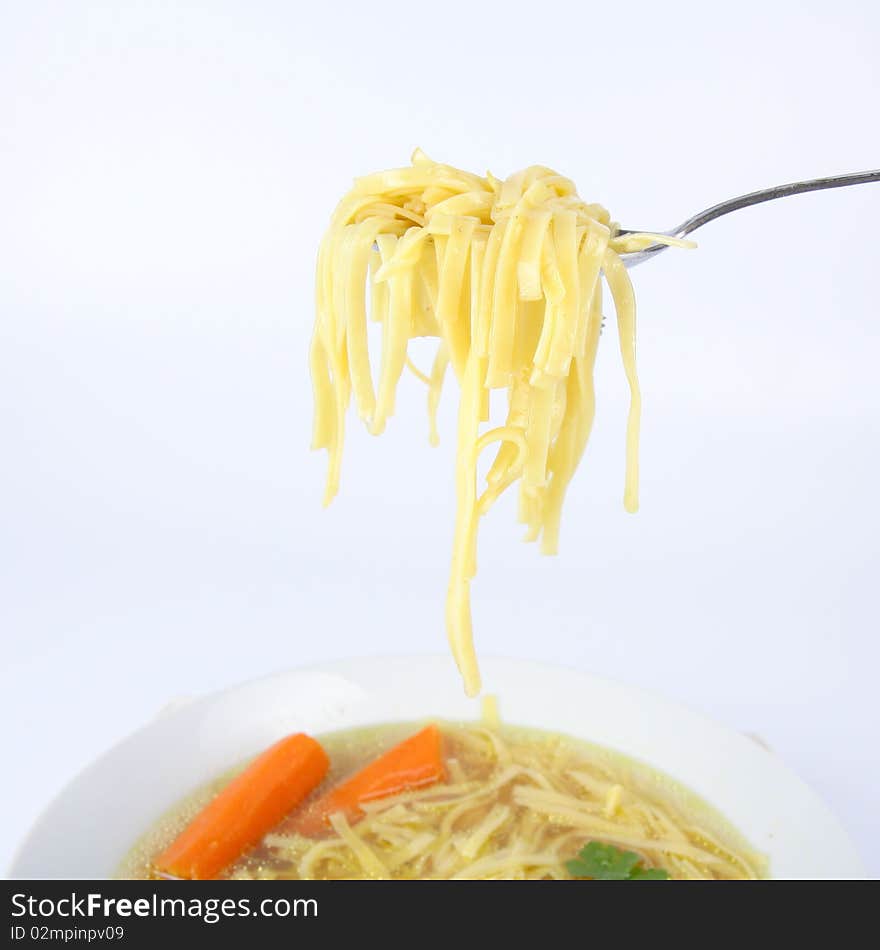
x,y
90,826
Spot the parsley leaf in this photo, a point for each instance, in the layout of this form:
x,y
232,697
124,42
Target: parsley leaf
x,y
605,862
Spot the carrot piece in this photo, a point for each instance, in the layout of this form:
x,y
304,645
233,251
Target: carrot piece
x,y
415,762
252,804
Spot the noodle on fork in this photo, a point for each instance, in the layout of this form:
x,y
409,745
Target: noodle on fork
x,y
507,276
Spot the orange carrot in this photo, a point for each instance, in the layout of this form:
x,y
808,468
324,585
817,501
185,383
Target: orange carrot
x,y
415,762
253,803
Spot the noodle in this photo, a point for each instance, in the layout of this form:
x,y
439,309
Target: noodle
x,y
523,810
507,276
509,803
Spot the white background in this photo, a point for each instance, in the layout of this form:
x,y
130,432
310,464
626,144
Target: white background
x,y
166,170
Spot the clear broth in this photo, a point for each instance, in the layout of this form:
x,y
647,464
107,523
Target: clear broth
x,y
512,796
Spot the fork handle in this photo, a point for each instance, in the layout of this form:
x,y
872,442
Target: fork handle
x,y
753,198
770,194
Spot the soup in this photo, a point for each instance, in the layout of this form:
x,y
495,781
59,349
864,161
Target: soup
x,y
498,803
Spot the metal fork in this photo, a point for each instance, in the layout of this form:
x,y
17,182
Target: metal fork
x,y
734,204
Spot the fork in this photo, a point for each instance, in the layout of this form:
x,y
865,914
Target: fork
x,y
734,204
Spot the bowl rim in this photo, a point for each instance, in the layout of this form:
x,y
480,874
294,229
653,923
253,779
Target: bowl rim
x,y
806,839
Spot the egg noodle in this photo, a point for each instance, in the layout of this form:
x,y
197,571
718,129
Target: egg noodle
x,y
508,276
515,805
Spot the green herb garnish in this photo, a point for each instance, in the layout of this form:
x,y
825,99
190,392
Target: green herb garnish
x,y
604,862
